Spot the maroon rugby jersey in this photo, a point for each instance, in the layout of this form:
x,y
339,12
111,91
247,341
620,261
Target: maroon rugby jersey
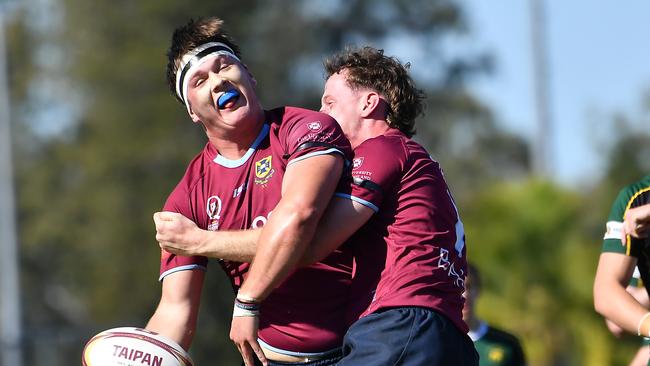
x,y
412,250
306,313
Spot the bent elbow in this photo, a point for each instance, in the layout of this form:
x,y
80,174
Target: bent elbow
x,y
601,301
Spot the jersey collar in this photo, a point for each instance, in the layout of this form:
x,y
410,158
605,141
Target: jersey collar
x,y
229,163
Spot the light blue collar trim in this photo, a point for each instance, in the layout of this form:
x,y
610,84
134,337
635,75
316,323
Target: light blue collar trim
x,y
478,333
228,163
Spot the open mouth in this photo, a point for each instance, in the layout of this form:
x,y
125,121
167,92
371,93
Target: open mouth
x,y
228,99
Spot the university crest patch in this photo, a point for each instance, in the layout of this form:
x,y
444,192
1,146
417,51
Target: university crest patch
x,y
264,170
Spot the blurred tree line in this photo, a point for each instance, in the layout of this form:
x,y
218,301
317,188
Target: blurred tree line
x,y
87,191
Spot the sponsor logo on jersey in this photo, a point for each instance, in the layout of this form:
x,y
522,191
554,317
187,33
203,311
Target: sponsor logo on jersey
x,y
213,209
237,192
264,170
260,221
456,275
314,126
356,162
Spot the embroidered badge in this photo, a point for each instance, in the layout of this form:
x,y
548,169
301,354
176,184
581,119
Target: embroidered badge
x,y
264,170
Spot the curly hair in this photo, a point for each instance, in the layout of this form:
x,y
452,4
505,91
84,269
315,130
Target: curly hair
x,y
190,36
369,68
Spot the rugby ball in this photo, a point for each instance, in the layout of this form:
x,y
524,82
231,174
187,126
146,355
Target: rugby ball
x,y
130,346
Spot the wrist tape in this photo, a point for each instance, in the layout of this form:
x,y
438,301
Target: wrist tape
x,y
245,309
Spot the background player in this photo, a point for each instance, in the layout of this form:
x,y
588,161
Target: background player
x,y
618,260
495,346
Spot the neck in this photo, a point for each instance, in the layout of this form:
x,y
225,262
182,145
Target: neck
x,y
233,144
367,129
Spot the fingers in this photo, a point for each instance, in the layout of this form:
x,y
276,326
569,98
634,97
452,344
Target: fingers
x,y
637,221
636,230
247,355
250,350
167,215
243,332
259,353
163,220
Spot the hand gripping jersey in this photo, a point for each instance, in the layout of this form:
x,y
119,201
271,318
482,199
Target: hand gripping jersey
x,y
634,195
412,250
306,313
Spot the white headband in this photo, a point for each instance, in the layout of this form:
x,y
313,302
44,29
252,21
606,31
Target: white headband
x,y
193,59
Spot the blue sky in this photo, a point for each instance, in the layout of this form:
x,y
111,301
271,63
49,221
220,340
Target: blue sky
x,y
598,63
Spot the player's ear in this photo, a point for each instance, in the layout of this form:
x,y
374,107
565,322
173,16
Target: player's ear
x,y
370,103
195,118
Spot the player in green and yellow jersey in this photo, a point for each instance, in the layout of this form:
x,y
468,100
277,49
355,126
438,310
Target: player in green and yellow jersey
x,y
625,245
494,346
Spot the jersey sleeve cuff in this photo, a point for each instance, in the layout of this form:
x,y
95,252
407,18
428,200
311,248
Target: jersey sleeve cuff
x,y
368,204
188,267
316,153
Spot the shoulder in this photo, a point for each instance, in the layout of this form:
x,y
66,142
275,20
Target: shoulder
x,y
632,195
379,154
178,201
631,191
196,168
288,115
292,124
383,146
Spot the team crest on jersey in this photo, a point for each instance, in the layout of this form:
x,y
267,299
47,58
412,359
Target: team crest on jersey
x,y
314,126
496,354
264,170
213,209
356,162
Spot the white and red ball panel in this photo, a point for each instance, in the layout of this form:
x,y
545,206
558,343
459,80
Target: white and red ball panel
x,y
129,346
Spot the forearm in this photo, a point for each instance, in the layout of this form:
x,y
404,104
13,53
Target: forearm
x,y
341,220
238,246
179,235
621,308
610,296
175,323
281,245
307,188
178,308
614,329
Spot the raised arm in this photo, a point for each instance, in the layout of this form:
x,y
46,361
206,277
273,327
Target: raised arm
x,y
178,309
